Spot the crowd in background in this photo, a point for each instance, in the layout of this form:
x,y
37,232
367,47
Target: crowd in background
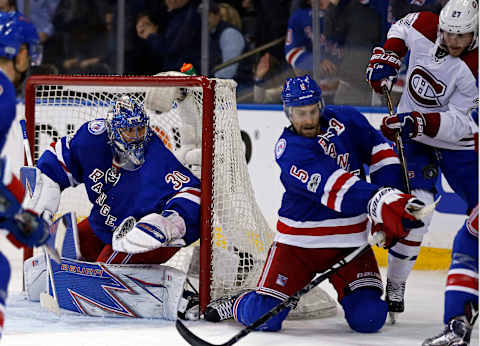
x,y
79,37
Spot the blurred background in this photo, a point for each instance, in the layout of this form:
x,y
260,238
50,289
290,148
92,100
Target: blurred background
x,y
258,43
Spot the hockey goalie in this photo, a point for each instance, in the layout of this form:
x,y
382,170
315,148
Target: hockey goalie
x,y
146,206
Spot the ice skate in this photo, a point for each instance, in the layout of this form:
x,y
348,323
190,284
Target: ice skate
x,y
456,333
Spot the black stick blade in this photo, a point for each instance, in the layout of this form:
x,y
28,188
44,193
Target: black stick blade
x,y
189,337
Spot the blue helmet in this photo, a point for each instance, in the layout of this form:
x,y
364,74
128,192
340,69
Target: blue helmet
x,y
301,91
16,30
126,113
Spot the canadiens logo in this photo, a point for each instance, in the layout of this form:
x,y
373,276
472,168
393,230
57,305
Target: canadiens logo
x,y
280,147
97,127
424,88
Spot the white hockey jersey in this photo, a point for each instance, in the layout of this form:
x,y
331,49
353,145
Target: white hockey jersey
x,y
436,82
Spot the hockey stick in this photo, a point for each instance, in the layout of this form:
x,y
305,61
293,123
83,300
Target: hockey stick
x,y
194,340
398,140
401,157
28,154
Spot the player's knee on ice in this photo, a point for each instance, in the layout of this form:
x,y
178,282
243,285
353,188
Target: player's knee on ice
x,y
365,312
252,306
5,276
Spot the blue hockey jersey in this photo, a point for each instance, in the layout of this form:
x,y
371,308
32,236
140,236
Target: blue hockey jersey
x,y
326,192
298,43
161,183
8,103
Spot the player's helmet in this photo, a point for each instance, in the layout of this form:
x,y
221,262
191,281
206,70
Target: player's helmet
x,y
301,91
16,30
460,17
126,114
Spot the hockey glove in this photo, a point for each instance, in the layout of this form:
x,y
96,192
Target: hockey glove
x,y
394,213
27,228
411,125
382,69
149,233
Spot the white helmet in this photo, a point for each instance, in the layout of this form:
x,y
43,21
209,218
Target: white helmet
x,y
460,17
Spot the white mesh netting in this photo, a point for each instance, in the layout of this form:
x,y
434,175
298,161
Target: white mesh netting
x,y
240,234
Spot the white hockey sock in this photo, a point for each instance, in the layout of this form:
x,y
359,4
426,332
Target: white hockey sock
x,y
402,256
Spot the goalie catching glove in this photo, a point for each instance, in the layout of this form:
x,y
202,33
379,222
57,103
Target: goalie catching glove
x,y
393,213
149,233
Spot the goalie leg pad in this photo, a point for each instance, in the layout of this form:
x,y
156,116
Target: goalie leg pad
x,y
35,277
251,306
365,312
112,290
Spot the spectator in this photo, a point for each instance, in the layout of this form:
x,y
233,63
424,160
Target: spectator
x,y
354,29
298,44
86,40
230,15
149,49
41,15
182,35
298,47
227,42
268,80
272,20
400,8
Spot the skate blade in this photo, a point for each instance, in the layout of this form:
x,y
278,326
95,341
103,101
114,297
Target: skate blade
x,y
393,317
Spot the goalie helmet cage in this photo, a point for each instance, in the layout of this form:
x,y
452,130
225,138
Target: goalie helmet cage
x,y
235,236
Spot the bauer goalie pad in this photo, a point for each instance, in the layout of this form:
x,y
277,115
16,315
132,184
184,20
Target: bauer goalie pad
x,y
114,290
64,240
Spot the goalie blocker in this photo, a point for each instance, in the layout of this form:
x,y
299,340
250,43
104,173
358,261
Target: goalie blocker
x,y
102,289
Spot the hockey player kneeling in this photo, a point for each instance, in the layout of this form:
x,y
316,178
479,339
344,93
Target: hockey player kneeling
x,y
146,205
325,212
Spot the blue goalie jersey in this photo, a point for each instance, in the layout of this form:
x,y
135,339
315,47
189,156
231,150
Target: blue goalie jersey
x,y
326,192
161,183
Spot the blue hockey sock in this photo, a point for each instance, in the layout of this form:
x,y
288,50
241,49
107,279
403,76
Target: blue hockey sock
x,y
365,312
251,306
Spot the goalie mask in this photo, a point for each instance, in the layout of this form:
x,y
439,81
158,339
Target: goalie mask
x,y
129,132
301,91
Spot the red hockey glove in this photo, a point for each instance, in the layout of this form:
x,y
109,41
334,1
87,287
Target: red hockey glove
x,y
411,125
382,69
392,212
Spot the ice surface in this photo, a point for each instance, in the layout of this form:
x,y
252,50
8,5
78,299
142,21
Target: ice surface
x,y
29,324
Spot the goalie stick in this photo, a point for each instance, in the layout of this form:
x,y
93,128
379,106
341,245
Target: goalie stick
x,y
194,340
26,146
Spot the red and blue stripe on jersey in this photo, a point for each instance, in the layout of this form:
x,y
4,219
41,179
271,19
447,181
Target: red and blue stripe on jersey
x,y
326,195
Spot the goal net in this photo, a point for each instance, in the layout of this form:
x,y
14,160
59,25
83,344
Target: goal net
x,y
186,113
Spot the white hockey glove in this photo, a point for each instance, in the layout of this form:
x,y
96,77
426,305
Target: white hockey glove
x,y
42,193
149,233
